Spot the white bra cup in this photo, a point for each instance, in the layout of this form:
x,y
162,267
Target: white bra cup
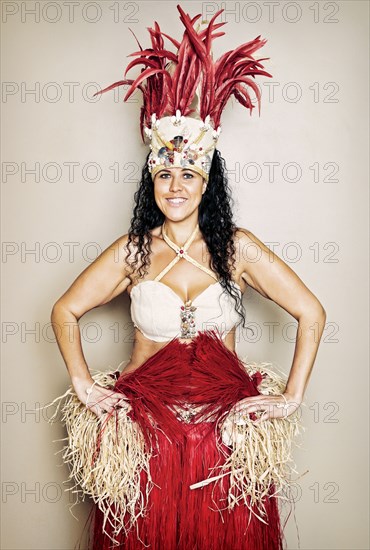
x,y
155,310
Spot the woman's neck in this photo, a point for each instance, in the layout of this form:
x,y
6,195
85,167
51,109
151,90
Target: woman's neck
x,y
179,232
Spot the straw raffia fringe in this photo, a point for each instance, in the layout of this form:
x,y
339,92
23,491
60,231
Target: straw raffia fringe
x,y
259,455
111,475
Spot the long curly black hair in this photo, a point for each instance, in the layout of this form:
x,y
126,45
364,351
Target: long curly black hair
x,y
215,223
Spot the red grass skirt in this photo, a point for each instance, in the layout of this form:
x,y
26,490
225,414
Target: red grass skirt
x,y
205,374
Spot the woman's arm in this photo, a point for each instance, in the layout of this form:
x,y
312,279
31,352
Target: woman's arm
x,y
274,279
103,280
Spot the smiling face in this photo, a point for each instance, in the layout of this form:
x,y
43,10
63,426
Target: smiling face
x,y
178,192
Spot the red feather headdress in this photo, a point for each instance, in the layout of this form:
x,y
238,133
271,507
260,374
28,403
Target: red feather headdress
x,y
172,83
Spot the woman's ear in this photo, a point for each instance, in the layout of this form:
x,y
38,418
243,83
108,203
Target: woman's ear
x,y
204,186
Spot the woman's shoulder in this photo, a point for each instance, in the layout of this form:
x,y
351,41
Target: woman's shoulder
x,y
127,248
243,236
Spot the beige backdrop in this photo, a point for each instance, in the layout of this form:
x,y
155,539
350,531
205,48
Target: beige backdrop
x,y
70,166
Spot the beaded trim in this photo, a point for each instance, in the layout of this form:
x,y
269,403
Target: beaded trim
x,y
187,412
187,320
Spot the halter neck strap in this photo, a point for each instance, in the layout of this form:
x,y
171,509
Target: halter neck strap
x,y
181,252
180,249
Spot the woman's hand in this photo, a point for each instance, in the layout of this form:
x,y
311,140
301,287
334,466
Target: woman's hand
x,y
271,406
99,399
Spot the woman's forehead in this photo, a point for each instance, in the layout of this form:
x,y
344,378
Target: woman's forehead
x,y
177,170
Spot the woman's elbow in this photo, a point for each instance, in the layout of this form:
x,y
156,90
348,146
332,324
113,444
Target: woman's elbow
x,y
58,308
312,311
318,311
321,312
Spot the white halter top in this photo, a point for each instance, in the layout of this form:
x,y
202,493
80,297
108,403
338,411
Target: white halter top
x,y
161,315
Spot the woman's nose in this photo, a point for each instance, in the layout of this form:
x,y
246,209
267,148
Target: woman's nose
x,y
175,183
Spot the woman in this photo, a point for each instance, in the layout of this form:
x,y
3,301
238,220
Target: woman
x,y
185,266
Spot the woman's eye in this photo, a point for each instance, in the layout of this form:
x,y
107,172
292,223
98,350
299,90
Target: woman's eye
x,y
165,174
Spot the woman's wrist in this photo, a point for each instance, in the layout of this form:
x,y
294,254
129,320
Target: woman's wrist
x,y
295,396
82,382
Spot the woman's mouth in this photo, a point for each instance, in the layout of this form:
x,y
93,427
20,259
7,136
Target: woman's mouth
x,y
176,202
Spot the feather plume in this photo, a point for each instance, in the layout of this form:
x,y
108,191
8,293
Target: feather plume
x,y
170,81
